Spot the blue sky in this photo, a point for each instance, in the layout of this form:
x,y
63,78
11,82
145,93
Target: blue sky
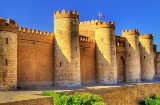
x,y
127,14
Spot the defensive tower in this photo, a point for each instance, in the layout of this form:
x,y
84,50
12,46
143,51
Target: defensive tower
x,y
132,65
106,66
67,52
8,55
147,57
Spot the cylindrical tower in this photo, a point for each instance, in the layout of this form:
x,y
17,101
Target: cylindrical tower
x,y
67,52
147,57
8,55
132,65
106,66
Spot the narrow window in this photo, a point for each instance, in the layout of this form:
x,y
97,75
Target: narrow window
x,y
129,55
102,64
102,39
6,61
60,64
129,45
76,64
144,47
6,40
144,57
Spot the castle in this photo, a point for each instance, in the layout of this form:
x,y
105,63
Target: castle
x,y
75,54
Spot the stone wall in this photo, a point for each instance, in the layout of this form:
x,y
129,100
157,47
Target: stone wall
x,y
123,95
8,60
38,101
87,62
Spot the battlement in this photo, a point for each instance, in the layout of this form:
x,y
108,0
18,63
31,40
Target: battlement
x,y
85,39
35,32
130,32
146,36
91,22
65,14
10,25
105,25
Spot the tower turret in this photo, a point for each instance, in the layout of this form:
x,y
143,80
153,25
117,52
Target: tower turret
x,y
132,64
147,57
8,55
67,52
106,66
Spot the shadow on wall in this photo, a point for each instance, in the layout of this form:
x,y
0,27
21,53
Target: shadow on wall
x,y
66,66
87,63
105,66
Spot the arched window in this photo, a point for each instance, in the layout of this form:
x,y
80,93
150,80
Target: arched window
x,y
118,42
123,44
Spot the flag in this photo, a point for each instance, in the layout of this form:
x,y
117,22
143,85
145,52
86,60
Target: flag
x,y
101,15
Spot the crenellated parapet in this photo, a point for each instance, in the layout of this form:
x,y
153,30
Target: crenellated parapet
x,y
64,14
33,31
91,22
105,25
146,36
87,40
130,32
10,25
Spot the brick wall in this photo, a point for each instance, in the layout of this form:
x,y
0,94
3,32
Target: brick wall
x,y
35,60
87,62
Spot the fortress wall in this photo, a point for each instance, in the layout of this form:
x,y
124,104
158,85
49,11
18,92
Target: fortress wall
x,y
87,62
35,57
35,63
87,28
34,54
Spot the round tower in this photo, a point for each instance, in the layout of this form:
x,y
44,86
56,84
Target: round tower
x,y
8,55
106,66
67,52
147,57
132,65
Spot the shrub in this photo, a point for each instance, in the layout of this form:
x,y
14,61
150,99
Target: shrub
x,y
154,100
75,99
